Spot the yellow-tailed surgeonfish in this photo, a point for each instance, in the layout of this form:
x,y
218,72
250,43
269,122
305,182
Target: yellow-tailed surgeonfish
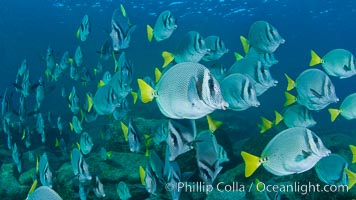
x,y
148,179
86,143
73,100
80,167
332,170
121,30
267,124
298,116
106,50
267,59
238,92
315,90
217,48
207,153
186,91
192,48
181,136
84,29
123,191
17,158
164,27
99,188
259,76
282,157
44,192
45,171
347,108
50,62
66,61
105,100
337,62
78,56
264,37
76,125
121,80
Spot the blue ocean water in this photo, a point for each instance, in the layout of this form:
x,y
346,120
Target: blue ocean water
x,y
28,28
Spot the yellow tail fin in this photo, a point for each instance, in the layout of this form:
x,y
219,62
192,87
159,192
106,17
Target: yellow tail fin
x,y
353,150
90,102
315,59
266,125
334,113
213,124
291,83
149,33
158,74
134,96
147,92
279,117
33,187
78,33
238,56
71,126
142,175
251,163
101,83
37,164
352,178
245,44
123,11
167,57
109,155
290,99
78,145
125,131
57,143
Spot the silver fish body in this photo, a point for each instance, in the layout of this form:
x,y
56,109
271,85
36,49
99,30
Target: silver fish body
x,y
282,157
80,167
260,77
164,26
134,136
340,63
298,116
331,170
86,143
44,193
121,31
188,90
123,191
192,48
76,125
78,56
65,61
105,100
45,172
264,37
239,92
315,89
217,48
84,29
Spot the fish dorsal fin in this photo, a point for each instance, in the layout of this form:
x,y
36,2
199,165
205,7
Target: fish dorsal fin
x,y
193,91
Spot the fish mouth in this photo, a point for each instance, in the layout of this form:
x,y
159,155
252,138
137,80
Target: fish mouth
x,y
224,105
257,104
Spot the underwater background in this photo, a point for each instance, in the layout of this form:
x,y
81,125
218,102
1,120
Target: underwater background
x,y
28,28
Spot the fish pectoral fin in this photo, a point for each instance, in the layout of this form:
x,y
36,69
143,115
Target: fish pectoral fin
x,y
303,156
192,91
315,93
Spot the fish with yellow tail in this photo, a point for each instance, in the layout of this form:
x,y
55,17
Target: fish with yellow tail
x,y
347,108
192,48
186,91
282,157
337,62
315,90
267,124
165,25
84,29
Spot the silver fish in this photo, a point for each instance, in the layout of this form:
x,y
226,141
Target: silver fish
x,y
74,101
123,191
347,108
44,193
121,30
50,61
74,72
22,69
185,91
150,181
122,110
260,77
106,50
315,90
181,136
217,48
76,125
40,127
161,133
173,176
337,62
122,79
156,165
80,167
84,29
6,109
105,100
78,56
218,70
60,125
282,157
298,116
208,157
40,93
164,27
106,77
331,170
65,61
238,91
267,59
45,172
16,156
86,143
99,189
264,37
134,136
